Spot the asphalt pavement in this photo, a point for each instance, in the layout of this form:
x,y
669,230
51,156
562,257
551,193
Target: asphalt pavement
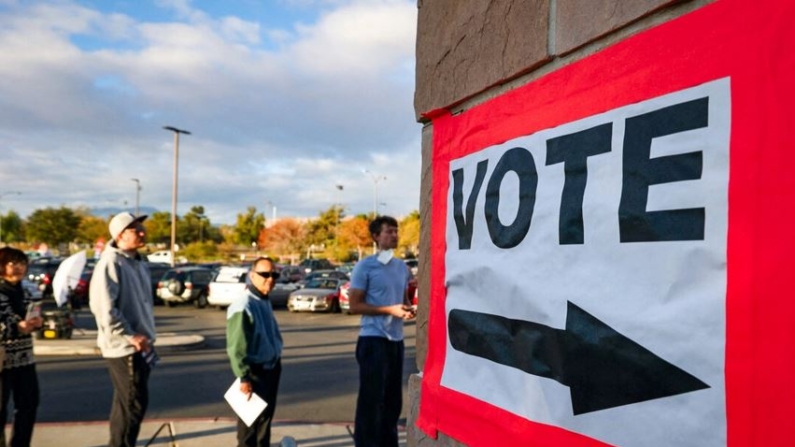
x,y
178,432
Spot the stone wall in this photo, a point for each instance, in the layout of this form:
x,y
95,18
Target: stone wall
x,y
471,50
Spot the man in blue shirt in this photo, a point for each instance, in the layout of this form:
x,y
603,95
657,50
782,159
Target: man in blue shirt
x,y
254,346
378,293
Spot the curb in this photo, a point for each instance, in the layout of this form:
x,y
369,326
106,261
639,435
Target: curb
x,y
85,344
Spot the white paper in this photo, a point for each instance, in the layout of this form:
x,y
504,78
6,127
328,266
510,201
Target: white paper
x,y
247,409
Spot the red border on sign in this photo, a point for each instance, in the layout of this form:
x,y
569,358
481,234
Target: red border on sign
x,y
748,42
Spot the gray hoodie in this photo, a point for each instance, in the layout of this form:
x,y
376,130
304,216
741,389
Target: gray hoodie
x,y
121,301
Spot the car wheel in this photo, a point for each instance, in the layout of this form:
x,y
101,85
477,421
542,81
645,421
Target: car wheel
x,y
170,304
176,287
335,307
201,301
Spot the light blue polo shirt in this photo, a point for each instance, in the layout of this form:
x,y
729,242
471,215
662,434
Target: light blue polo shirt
x,y
384,285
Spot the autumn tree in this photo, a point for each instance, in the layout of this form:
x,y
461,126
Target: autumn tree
x,y
355,235
286,237
409,234
91,229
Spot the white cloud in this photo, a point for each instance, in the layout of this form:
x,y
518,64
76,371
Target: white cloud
x,y
283,124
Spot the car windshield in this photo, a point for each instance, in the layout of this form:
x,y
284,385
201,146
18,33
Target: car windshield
x,y
322,284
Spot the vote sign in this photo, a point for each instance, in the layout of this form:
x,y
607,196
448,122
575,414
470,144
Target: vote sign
x,y
607,258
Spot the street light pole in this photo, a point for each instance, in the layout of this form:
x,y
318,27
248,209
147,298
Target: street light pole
x,y
174,189
8,193
340,187
137,194
376,179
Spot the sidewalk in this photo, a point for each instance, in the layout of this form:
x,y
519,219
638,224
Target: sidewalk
x,y
188,432
84,342
193,433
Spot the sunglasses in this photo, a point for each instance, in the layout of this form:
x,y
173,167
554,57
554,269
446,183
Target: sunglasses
x,y
266,275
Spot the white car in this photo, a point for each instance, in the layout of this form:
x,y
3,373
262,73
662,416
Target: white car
x,y
229,283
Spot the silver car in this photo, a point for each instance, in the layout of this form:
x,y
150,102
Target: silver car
x,y
319,295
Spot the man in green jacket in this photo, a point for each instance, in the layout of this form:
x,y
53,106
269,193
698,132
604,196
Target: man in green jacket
x,y
254,346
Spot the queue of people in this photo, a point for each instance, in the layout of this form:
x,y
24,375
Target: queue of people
x,y
122,306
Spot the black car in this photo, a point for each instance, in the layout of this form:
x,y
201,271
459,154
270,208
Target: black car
x,y
184,285
310,265
156,272
41,272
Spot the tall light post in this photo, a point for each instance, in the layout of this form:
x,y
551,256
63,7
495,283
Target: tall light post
x,y
174,190
273,214
376,179
137,194
340,188
8,193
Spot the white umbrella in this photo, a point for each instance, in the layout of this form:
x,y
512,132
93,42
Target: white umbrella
x,y
67,276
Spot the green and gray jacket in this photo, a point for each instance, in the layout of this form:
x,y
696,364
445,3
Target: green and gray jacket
x,y
252,333
120,297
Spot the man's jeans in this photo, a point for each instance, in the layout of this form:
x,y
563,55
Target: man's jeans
x,y
380,392
130,377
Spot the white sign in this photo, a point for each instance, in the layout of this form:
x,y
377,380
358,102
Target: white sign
x,y
586,273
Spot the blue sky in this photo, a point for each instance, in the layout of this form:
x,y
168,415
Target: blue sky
x,y
285,100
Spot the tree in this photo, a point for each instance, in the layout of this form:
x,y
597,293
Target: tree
x,y
409,235
52,226
11,227
158,228
284,238
354,234
91,229
248,226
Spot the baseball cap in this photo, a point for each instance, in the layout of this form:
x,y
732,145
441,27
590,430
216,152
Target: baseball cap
x,y
121,221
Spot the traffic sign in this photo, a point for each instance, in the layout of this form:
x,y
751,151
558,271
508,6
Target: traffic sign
x,y
610,246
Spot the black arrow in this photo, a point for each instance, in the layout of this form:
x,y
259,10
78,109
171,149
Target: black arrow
x,y
602,368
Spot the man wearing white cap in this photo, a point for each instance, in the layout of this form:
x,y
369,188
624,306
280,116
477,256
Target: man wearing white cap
x,y
121,301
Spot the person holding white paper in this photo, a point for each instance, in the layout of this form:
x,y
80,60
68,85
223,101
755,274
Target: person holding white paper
x,y
254,345
18,367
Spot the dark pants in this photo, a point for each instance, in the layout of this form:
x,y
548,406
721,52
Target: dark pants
x,y
22,383
130,378
380,392
265,383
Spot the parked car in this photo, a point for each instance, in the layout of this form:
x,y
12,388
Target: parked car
x,y
185,285
79,296
164,257
345,304
413,265
319,295
156,272
31,290
229,283
319,274
41,272
310,265
291,274
346,268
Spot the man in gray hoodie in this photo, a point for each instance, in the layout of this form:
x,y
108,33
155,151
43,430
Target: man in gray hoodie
x,y
121,301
